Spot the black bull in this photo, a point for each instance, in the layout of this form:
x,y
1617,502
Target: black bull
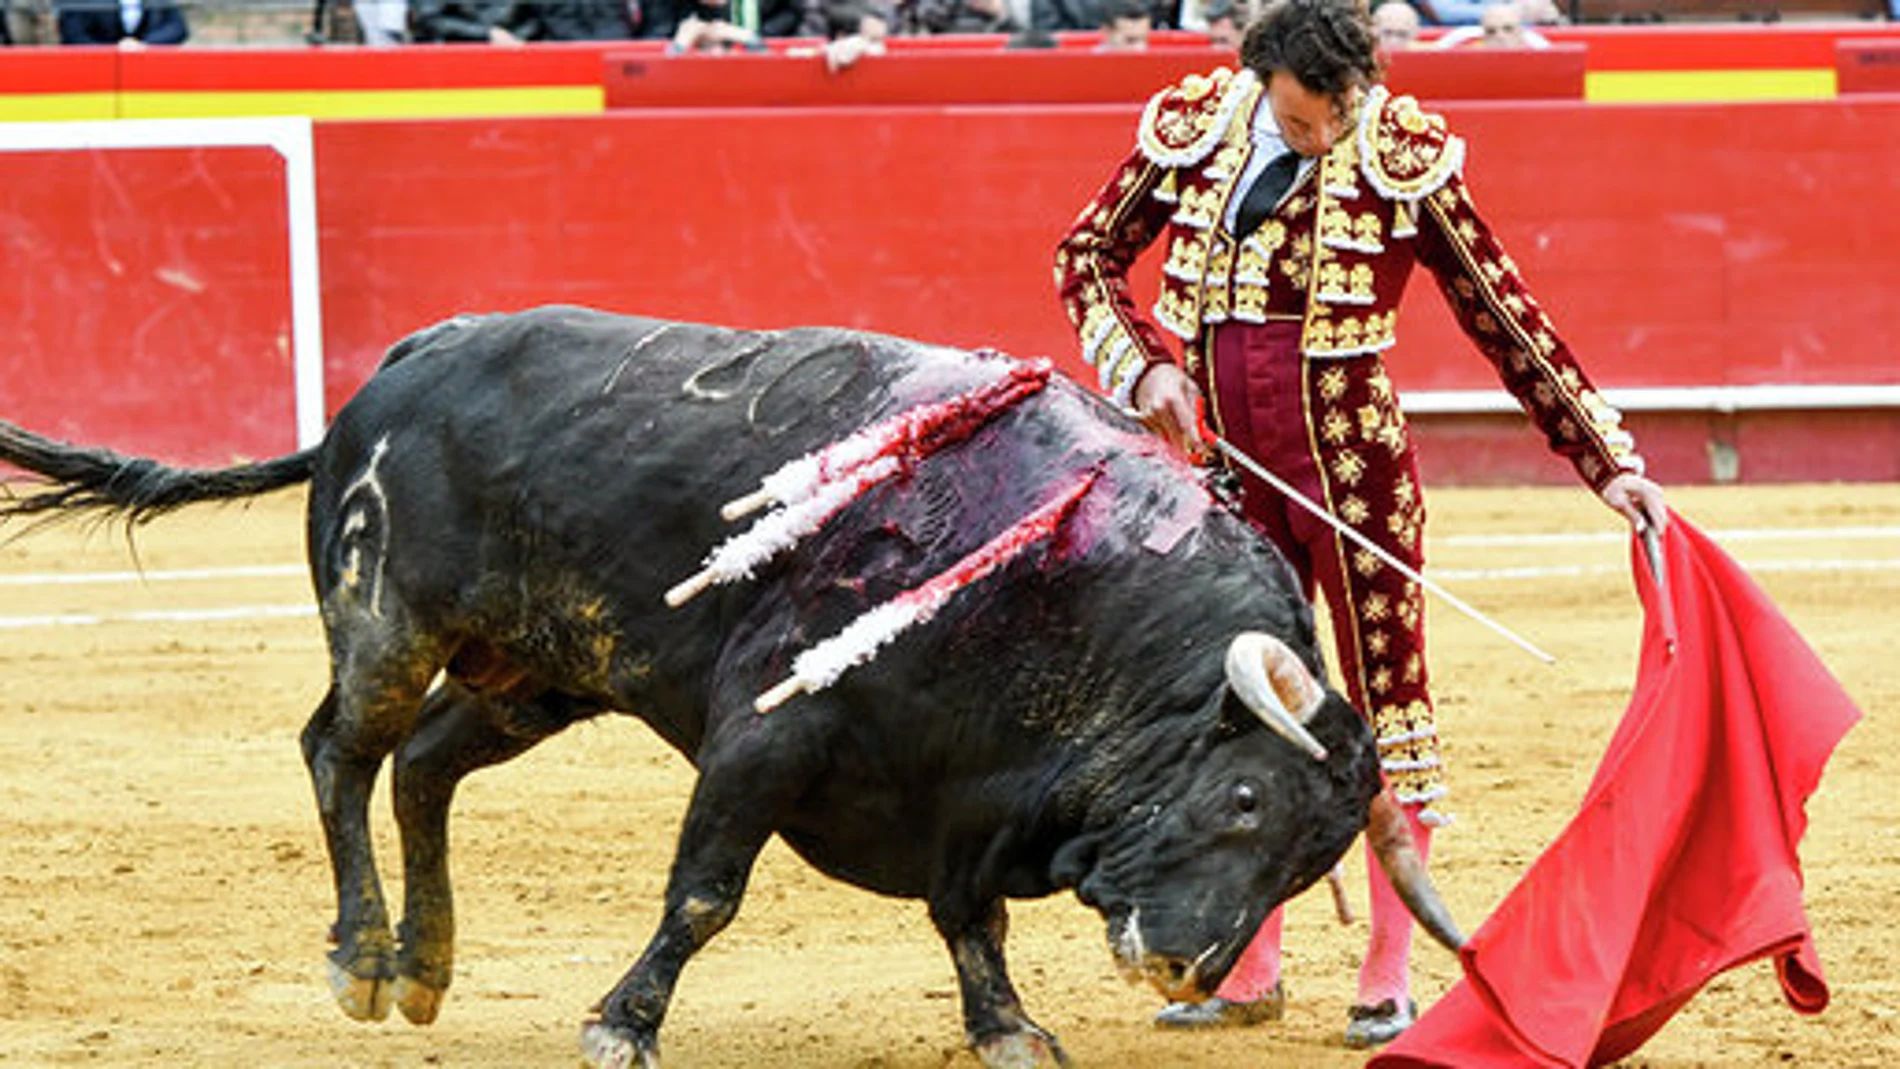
x,y
493,522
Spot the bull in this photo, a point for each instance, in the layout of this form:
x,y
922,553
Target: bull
x,y
1123,701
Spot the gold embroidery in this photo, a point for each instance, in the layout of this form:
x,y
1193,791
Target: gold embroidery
x,y
1362,281
1220,260
1332,277
1367,231
1332,383
1370,421
1346,335
1376,608
1335,427
1379,386
1335,225
1365,562
1405,491
1250,302
1376,643
1349,468
1319,336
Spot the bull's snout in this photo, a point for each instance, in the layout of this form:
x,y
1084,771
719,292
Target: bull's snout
x,y
1176,978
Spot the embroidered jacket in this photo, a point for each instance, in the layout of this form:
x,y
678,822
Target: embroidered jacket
x,y
1335,254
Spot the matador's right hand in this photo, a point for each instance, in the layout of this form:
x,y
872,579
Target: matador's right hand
x,y
1169,404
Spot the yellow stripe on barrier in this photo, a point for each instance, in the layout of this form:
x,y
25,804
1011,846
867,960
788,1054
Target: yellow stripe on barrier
x,y
1656,87
57,107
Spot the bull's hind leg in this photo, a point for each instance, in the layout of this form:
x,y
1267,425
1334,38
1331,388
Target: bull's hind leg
x,y
462,729
369,710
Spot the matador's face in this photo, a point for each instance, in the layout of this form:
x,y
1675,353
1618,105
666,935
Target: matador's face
x,y
1309,122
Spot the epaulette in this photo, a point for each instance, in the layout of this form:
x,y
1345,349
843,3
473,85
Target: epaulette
x,y
1184,122
1405,152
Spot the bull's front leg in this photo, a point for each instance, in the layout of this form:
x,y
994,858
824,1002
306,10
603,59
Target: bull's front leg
x,y
1000,1033
724,831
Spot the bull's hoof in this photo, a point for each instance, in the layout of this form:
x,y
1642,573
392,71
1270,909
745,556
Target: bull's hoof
x,y
606,1047
1021,1050
419,1002
363,998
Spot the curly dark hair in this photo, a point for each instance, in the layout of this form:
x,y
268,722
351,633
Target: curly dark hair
x,y
1327,45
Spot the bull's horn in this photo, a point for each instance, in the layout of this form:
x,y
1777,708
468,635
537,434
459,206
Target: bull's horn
x,y
1269,679
1390,837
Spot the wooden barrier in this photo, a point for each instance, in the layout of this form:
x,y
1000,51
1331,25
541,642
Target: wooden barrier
x,y
1686,271
1554,73
1041,77
1867,65
931,77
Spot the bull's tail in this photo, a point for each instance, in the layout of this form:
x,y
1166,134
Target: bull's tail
x,y
102,483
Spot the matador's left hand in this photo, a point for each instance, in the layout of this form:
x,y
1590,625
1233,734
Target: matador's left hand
x,y
1638,499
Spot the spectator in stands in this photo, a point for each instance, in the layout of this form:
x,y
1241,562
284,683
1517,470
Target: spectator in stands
x,y
1542,13
1125,25
1395,25
573,20
1293,200
757,18
1501,25
1224,21
960,16
1450,12
715,36
126,23
853,30
382,23
467,21
29,22
1057,16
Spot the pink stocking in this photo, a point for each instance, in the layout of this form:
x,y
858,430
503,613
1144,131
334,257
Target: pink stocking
x,y
1259,966
1385,975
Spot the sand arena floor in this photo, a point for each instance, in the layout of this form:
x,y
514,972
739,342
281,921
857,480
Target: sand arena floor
x,y
164,897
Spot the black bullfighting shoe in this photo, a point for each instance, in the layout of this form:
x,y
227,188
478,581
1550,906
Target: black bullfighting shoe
x,y
1218,1012
1375,1026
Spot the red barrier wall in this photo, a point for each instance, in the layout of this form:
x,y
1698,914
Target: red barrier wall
x,y
1868,65
1681,245
1675,245
643,80
147,299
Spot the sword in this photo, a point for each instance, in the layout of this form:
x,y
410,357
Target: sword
x,y
1257,469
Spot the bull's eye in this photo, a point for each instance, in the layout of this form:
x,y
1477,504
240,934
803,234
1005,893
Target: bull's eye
x,y
1246,799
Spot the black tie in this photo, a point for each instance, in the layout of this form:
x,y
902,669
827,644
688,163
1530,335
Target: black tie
x,y
1266,192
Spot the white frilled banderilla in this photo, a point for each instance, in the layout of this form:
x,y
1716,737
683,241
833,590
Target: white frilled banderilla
x,y
815,487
